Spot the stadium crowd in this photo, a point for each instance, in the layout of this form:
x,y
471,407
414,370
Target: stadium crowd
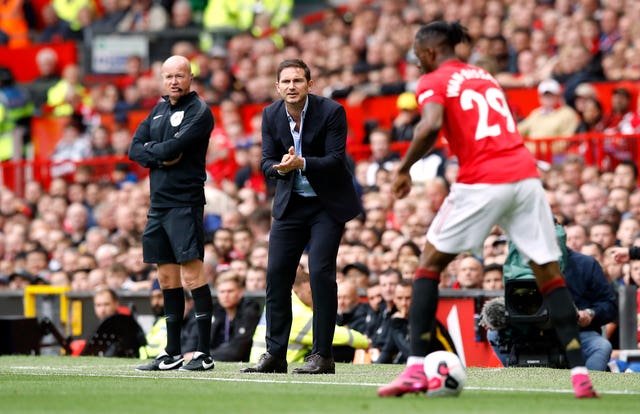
x,y
86,234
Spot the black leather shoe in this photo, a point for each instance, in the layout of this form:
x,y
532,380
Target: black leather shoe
x,y
268,364
317,364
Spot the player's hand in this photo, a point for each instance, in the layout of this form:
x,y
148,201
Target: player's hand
x,y
620,254
401,185
172,162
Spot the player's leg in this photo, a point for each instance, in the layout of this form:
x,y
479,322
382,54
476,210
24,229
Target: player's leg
x,y
539,244
156,248
459,225
422,315
563,317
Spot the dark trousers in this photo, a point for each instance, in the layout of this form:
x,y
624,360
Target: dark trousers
x,y
305,222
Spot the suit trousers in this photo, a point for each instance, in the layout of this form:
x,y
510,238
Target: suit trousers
x,y
305,224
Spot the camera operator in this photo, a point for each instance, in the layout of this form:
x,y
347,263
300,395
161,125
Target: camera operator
x,y
592,294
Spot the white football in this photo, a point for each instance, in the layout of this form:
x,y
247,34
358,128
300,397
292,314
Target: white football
x,y
446,374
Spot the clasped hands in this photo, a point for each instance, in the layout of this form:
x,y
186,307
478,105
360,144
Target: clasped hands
x,y
290,161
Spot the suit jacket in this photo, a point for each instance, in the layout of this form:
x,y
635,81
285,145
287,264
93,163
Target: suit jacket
x,y
324,139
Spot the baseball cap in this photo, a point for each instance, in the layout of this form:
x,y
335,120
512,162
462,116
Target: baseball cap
x,y
549,86
585,90
407,101
20,273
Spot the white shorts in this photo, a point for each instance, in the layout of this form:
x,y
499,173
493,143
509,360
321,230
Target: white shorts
x,y
520,209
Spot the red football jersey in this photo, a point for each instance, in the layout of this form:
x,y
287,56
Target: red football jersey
x,y
477,124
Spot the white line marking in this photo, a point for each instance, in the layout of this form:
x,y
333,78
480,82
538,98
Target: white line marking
x,y
80,370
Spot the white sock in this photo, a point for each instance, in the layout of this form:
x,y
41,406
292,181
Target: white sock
x,y
579,370
415,360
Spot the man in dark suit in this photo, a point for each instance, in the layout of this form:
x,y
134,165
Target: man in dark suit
x,y
303,148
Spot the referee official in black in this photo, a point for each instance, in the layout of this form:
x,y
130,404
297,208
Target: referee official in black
x,y
172,143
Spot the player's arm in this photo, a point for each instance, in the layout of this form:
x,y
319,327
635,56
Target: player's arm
x,y
425,135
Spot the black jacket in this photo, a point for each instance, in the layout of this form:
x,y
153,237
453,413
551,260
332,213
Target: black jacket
x,y
166,133
324,140
238,346
356,319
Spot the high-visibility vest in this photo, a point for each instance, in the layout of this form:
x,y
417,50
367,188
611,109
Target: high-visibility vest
x,y
68,10
156,340
301,336
57,94
6,134
13,23
220,14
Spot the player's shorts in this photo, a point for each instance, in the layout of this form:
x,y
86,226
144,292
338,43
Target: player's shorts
x,y
520,209
173,235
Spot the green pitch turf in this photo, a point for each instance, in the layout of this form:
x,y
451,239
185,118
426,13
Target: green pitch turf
x,y
106,385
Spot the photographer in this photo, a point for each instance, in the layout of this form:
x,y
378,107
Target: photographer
x,y
592,294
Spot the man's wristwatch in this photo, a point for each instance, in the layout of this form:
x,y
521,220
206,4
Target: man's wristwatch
x,y
590,312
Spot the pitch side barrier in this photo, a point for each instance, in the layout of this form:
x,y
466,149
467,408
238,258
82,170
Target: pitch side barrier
x,y
72,313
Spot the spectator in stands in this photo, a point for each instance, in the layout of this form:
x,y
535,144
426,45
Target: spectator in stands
x,y
619,200
256,280
351,312
492,277
377,328
617,120
396,346
16,110
74,12
144,16
182,16
591,117
526,74
577,236
19,279
68,95
603,233
469,274
223,247
301,334
157,335
408,116
552,118
14,28
117,277
76,223
47,63
73,145
595,198
234,320
54,29
609,31
243,240
627,232
112,12
100,141
382,157
625,175
119,334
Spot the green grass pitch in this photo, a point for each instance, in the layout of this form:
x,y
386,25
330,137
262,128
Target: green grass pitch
x,y
32,384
